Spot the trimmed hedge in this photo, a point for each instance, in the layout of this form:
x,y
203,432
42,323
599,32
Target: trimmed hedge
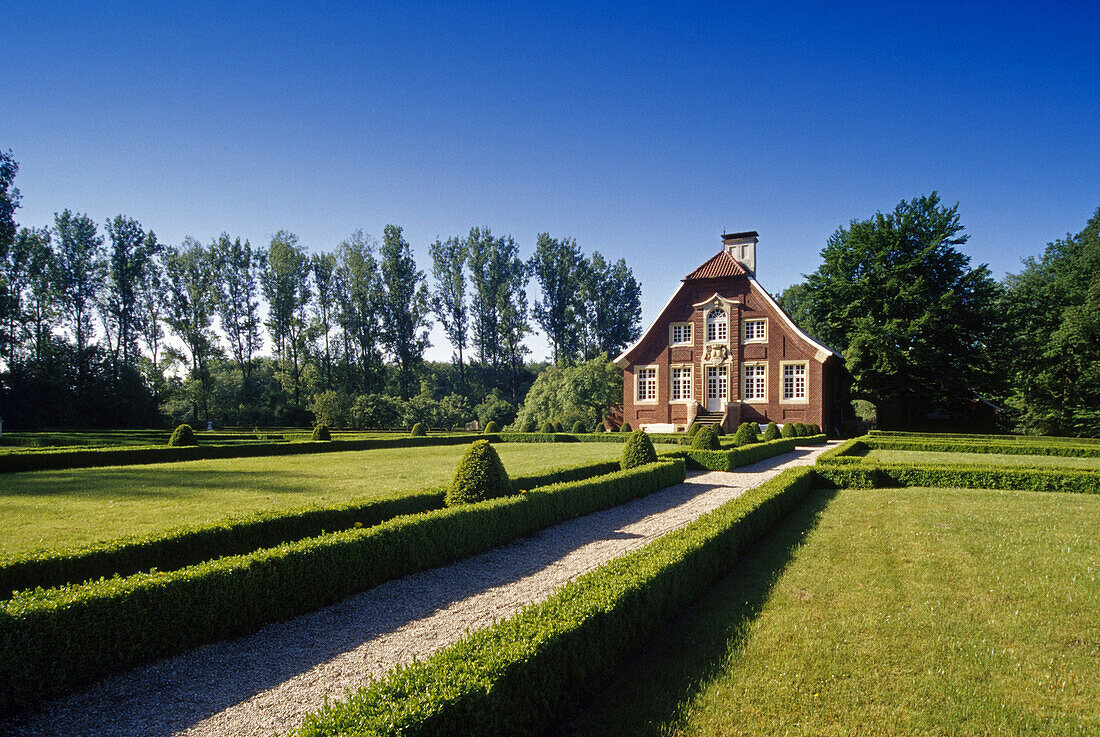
x,y
185,546
820,439
418,430
491,427
182,437
850,451
625,427
547,428
967,477
971,436
480,475
521,674
638,451
321,433
984,446
579,428
727,460
705,439
52,641
771,433
745,435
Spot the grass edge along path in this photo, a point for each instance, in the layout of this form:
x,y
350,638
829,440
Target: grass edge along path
x,y
518,675
52,641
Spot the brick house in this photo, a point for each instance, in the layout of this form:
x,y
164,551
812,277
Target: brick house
x,y
722,351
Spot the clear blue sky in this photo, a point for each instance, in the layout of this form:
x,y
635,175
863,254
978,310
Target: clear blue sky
x,y
643,131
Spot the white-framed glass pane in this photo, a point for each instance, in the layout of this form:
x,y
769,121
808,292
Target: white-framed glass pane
x,y
755,330
755,381
647,384
716,382
716,325
681,333
794,381
681,383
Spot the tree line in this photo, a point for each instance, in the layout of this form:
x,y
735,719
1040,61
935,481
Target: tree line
x,y
934,343
115,328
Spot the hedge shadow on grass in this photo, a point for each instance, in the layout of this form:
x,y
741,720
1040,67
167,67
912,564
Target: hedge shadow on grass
x,y
652,687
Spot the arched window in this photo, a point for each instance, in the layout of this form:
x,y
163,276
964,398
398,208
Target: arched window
x,y
716,325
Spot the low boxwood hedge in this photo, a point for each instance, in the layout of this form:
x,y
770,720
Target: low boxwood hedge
x,y
967,477
522,673
1002,447
850,451
727,460
55,640
819,439
184,546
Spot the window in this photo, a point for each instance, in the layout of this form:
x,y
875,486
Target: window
x,y
756,382
716,325
680,333
681,383
756,330
647,385
794,381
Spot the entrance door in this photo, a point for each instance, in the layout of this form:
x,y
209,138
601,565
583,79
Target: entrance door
x,y
716,388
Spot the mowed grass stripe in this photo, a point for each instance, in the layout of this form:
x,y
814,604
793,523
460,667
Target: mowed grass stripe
x,y
79,506
903,612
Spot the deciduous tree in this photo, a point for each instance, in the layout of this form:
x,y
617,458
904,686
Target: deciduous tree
x,y
404,307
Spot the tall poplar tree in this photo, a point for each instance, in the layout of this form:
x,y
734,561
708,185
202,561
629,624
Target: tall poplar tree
x,y
239,266
80,269
323,268
191,288
558,267
405,307
285,283
449,295
129,256
359,290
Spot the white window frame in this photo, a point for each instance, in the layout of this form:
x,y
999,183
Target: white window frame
x,y
672,370
745,330
745,382
638,384
725,324
672,333
805,398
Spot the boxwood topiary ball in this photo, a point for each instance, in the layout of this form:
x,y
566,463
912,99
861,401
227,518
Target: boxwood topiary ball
x,y
599,427
625,427
578,427
638,451
492,426
321,432
705,439
530,426
558,427
693,428
772,432
480,475
547,428
181,436
788,430
418,430
746,434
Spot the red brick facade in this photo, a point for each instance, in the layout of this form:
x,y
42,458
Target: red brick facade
x,y
774,349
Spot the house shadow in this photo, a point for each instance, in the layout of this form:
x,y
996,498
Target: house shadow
x,y
198,684
650,688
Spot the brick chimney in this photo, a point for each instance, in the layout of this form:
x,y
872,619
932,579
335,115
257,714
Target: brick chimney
x,y
742,246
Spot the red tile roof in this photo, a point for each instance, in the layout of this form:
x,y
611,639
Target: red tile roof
x,y
721,264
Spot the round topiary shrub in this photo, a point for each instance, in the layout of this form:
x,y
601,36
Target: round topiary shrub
x,y
578,427
321,432
638,451
705,439
799,430
693,428
491,426
788,430
625,427
418,430
719,430
772,432
746,434
529,426
814,429
599,428
558,427
480,475
181,436
547,428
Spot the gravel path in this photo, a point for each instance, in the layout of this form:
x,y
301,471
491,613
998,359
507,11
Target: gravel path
x,y
267,681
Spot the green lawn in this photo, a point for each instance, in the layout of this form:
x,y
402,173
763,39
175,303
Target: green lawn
x,y
980,459
63,508
887,612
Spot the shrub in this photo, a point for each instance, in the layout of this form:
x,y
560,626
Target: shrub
x,y
547,428
693,428
772,432
625,427
321,432
638,451
800,430
558,427
814,429
705,439
182,436
418,430
578,427
599,427
788,430
746,434
719,430
529,426
728,459
480,475
491,426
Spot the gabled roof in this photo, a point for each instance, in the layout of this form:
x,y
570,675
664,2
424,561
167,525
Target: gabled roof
x,y
720,265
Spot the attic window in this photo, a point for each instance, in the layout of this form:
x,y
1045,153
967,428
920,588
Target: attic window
x,y
716,325
679,333
755,330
